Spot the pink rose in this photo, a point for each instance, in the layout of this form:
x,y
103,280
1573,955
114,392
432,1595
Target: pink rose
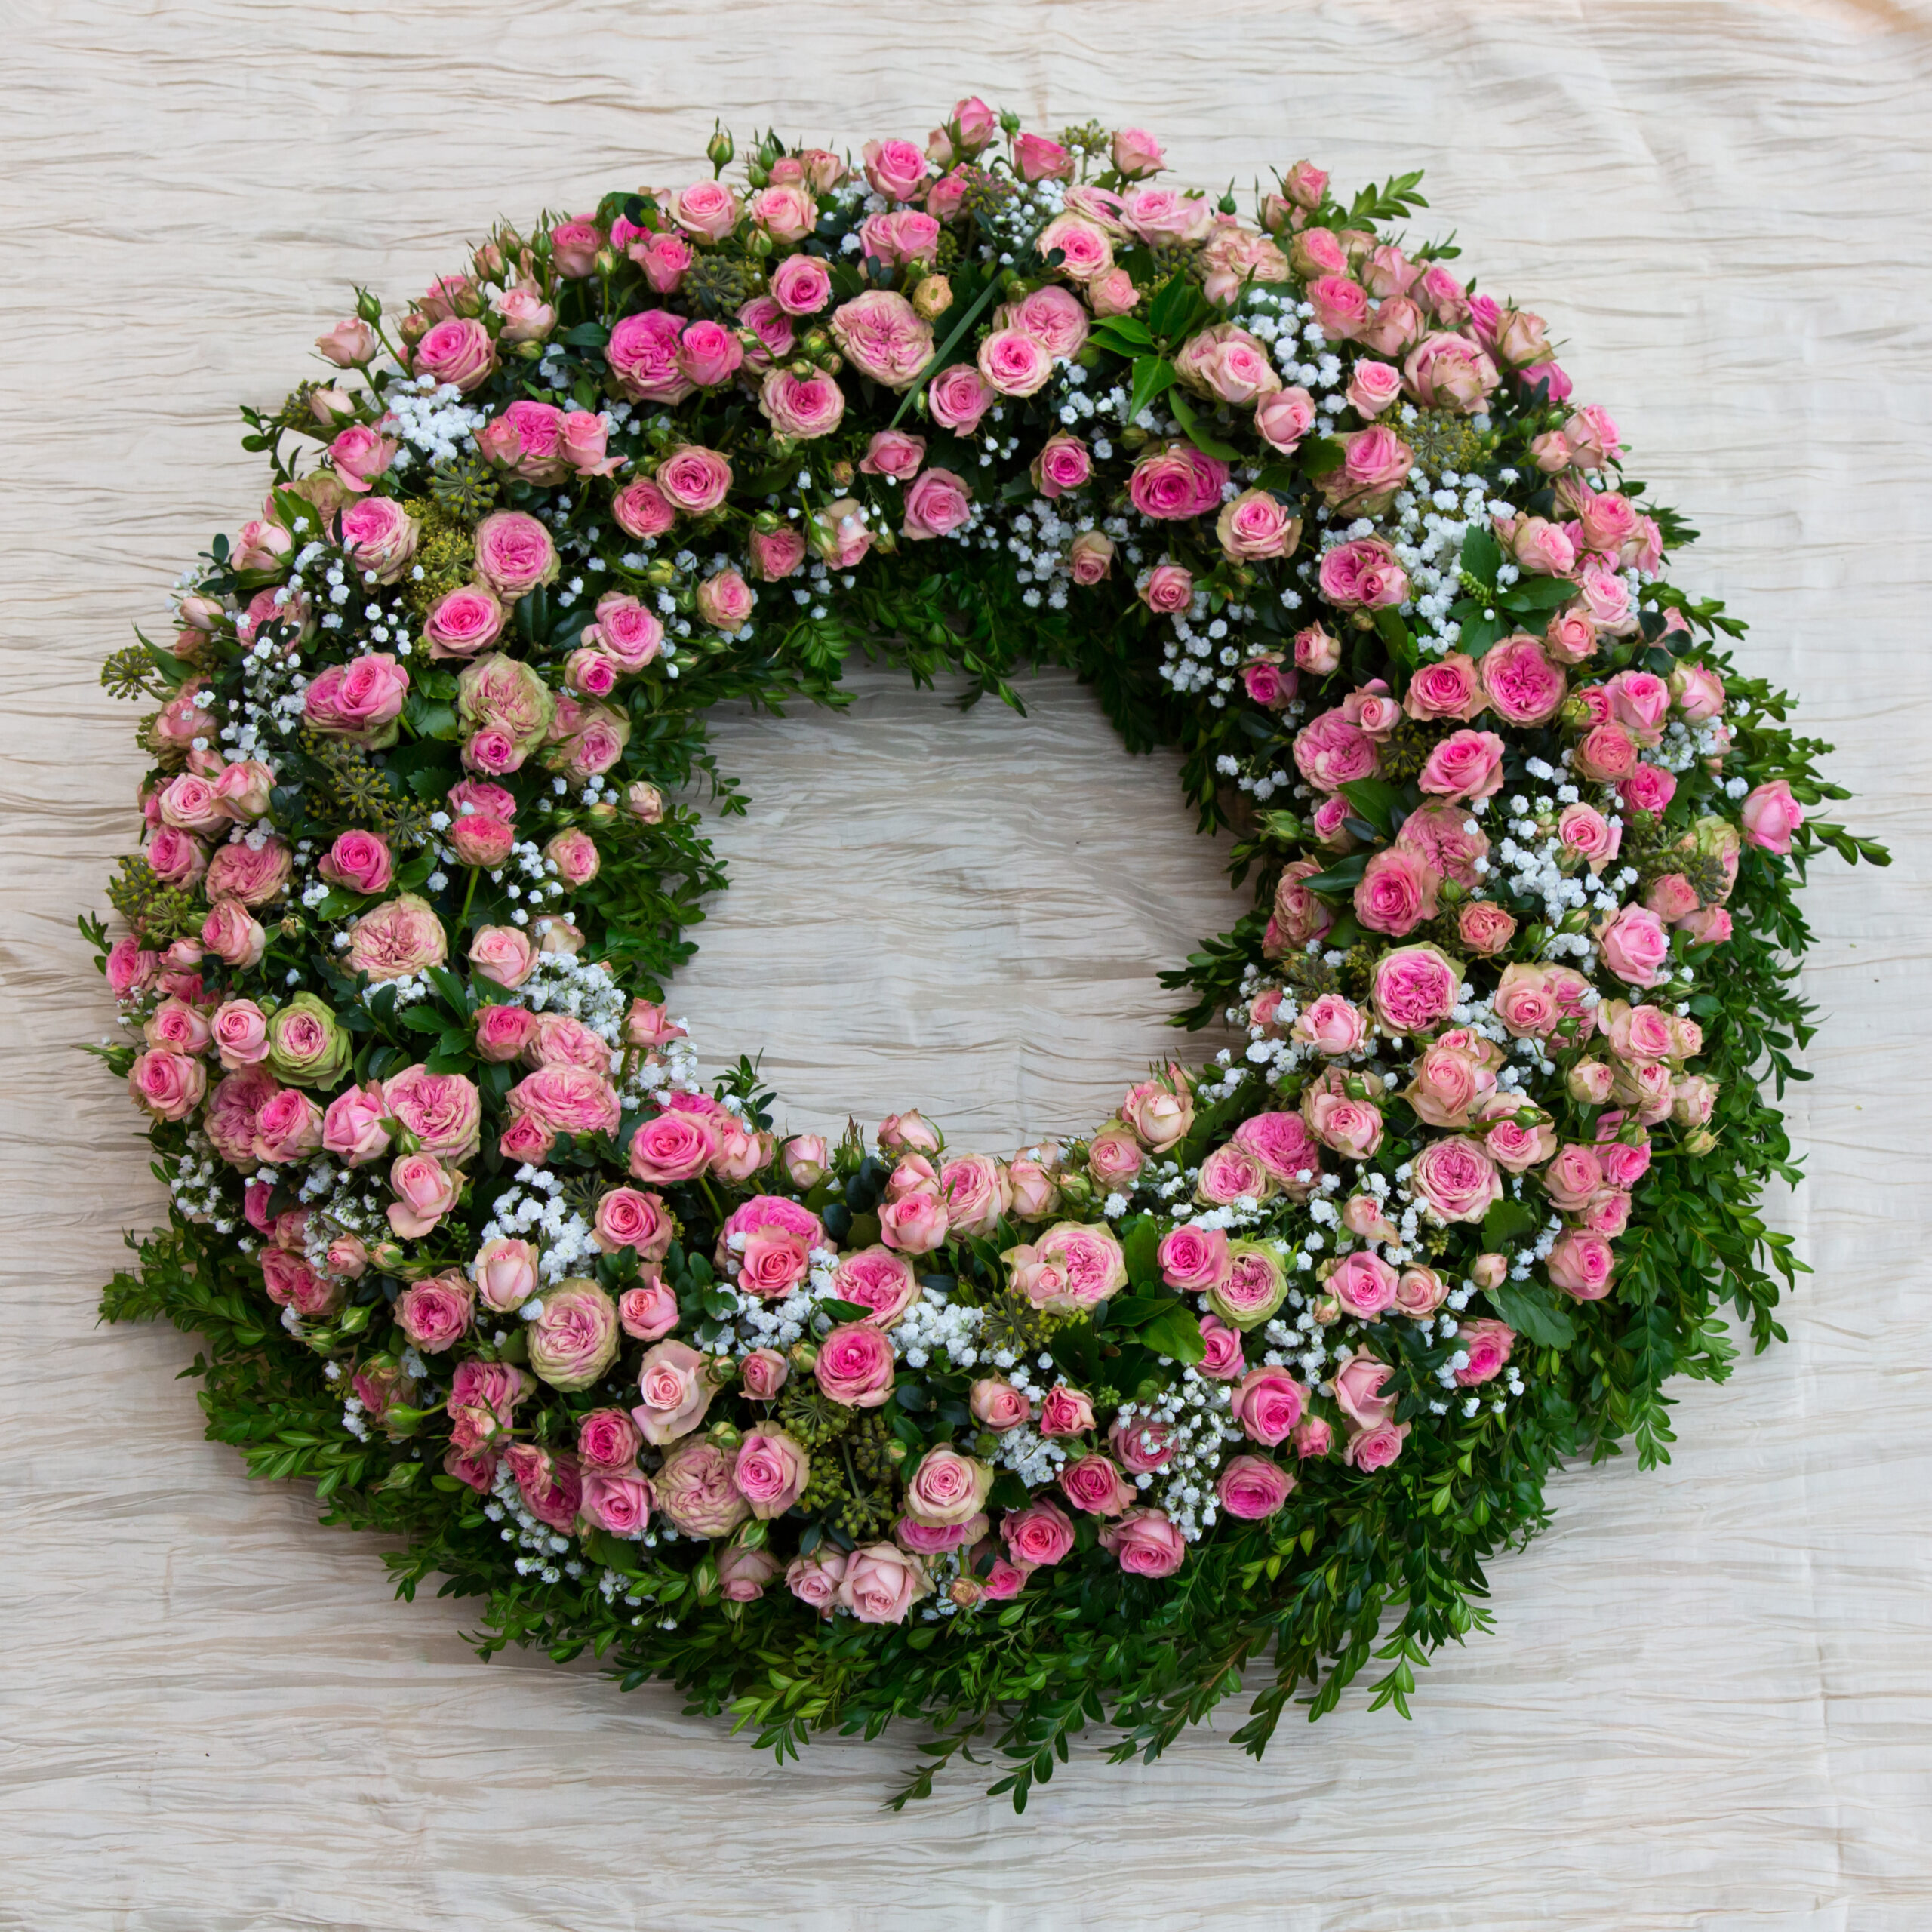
x,y
1253,1288
771,1472
801,285
1397,893
426,1191
1065,1411
1281,1142
1268,1403
881,1583
673,1147
616,1502
814,1579
1520,683
958,396
1363,575
1193,1259
947,1487
435,1314
642,354
1455,1178
1223,1361
641,509
854,1366
506,1273
1255,524
1095,1485
1231,1174
647,1314
167,1085
400,937
1364,1285
1770,815
802,408
1038,1535
1372,387
675,1389
1013,363
359,701
1251,1487
761,1374
232,935
1090,557
1635,946
1173,481
567,1099
695,1492
1146,1543
466,621
884,337
1282,418
937,504
1582,1265
1160,1111
1465,765
458,350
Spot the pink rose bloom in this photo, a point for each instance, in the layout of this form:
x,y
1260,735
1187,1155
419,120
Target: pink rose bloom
x,y
1253,1288
946,1487
647,1314
526,316
1465,765
1064,462
239,1031
1648,788
1013,363
503,956
1223,1361
894,454
884,337
1225,362
359,701
1173,481
897,169
426,1191
1065,1411
695,479
977,1194
359,455
628,1219
1770,815
1372,387
854,1366
1397,893
1114,1156
1332,1025
771,1472
673,1147
777,554
915,1224
1095,1485
1084,246
443,1111
1414,988
707,208
801,409
167,1085
458,350
1255,524
1487,1344
695,1492
616,1502
1147,1543
876,1278
1142,1443
1036,158
1520,683
1341,307
1160,1111
881,1583
1375,463
1364,1285
675,1389
1252,1488
708,353
762,1374
1582,1265
1040,1534
1635,946
642,354
1193,1259
641,509
174,857
574,246
506,1273
466,621
349,345
937,504
253,874
1268,1403
839,533
1455,1178
997,1405
1231,1174
1329,752
359,861
1282,418
1363,575
958,396
1697,693
801,285
567,1099
435,1314
814,1579
725,601
1281,1142
1090,557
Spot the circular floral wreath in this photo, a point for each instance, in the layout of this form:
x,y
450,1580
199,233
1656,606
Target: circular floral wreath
x,y
1271,1361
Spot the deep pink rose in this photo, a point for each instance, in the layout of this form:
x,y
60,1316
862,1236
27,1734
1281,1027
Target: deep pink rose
x,y
855,1365
1146,1543
1251,1487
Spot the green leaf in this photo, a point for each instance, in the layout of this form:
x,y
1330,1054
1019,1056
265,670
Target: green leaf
x,y
1320,454
1153,375
1376,800
1507,1221
1136,1311
1176,1333
421,1019
1537,593
847,1311
1482,555
1207,445
1343,876
1123,334
1143,1241
1532,1314
1177,308
1395,634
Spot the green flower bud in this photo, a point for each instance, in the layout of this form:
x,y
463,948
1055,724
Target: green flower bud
x,y
306,1048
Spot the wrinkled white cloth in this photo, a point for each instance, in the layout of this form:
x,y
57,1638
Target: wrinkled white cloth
x,y
1707,1700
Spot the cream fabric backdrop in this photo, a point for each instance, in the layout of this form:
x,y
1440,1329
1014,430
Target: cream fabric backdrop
x,y
1706,1703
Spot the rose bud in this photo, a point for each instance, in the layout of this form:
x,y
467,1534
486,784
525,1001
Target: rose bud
x,y
1489,1271
806,1158
1589,1082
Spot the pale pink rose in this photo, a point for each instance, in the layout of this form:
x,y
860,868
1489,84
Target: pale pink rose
x,y
1330,752
1035,1193
1467,765
708,353
958,396
695,479
254,874
1192,1260
359,861
897,169
770,1472
814,1579
1231,1174
1066,1412
1113,294
675,1389
358,702
937,503
776,554
946,1487
1013,363
648,1313
673,1147
1268,1403
900,237
443,1111
1770,815
1143,1444
1090,558
854,1366
1281,1142
503,956
884,337
881,1583
708,208
1332,1025
1252,1488
1397,893
349,345
801,409
914,1224
1373,386
401,937
1223,1361
725,601
1036,158
1095,1485
466,621
167,1085
640,509
1363,1284
1708,926
1455,1178
618,1501
574,246
695,1492
1574,1176
526,316
506,1273
1071,1268
1635,946
1064,462
839,532
1167,214
976,1193
232,935
1283,417
801,285
1114,1156
458,350
1224,362
426,1191
642,354
1582,1265
435,1314
1363,574
1160,1111
1698,694
567,1099
1414,988
893,453
1256,524
1520,683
